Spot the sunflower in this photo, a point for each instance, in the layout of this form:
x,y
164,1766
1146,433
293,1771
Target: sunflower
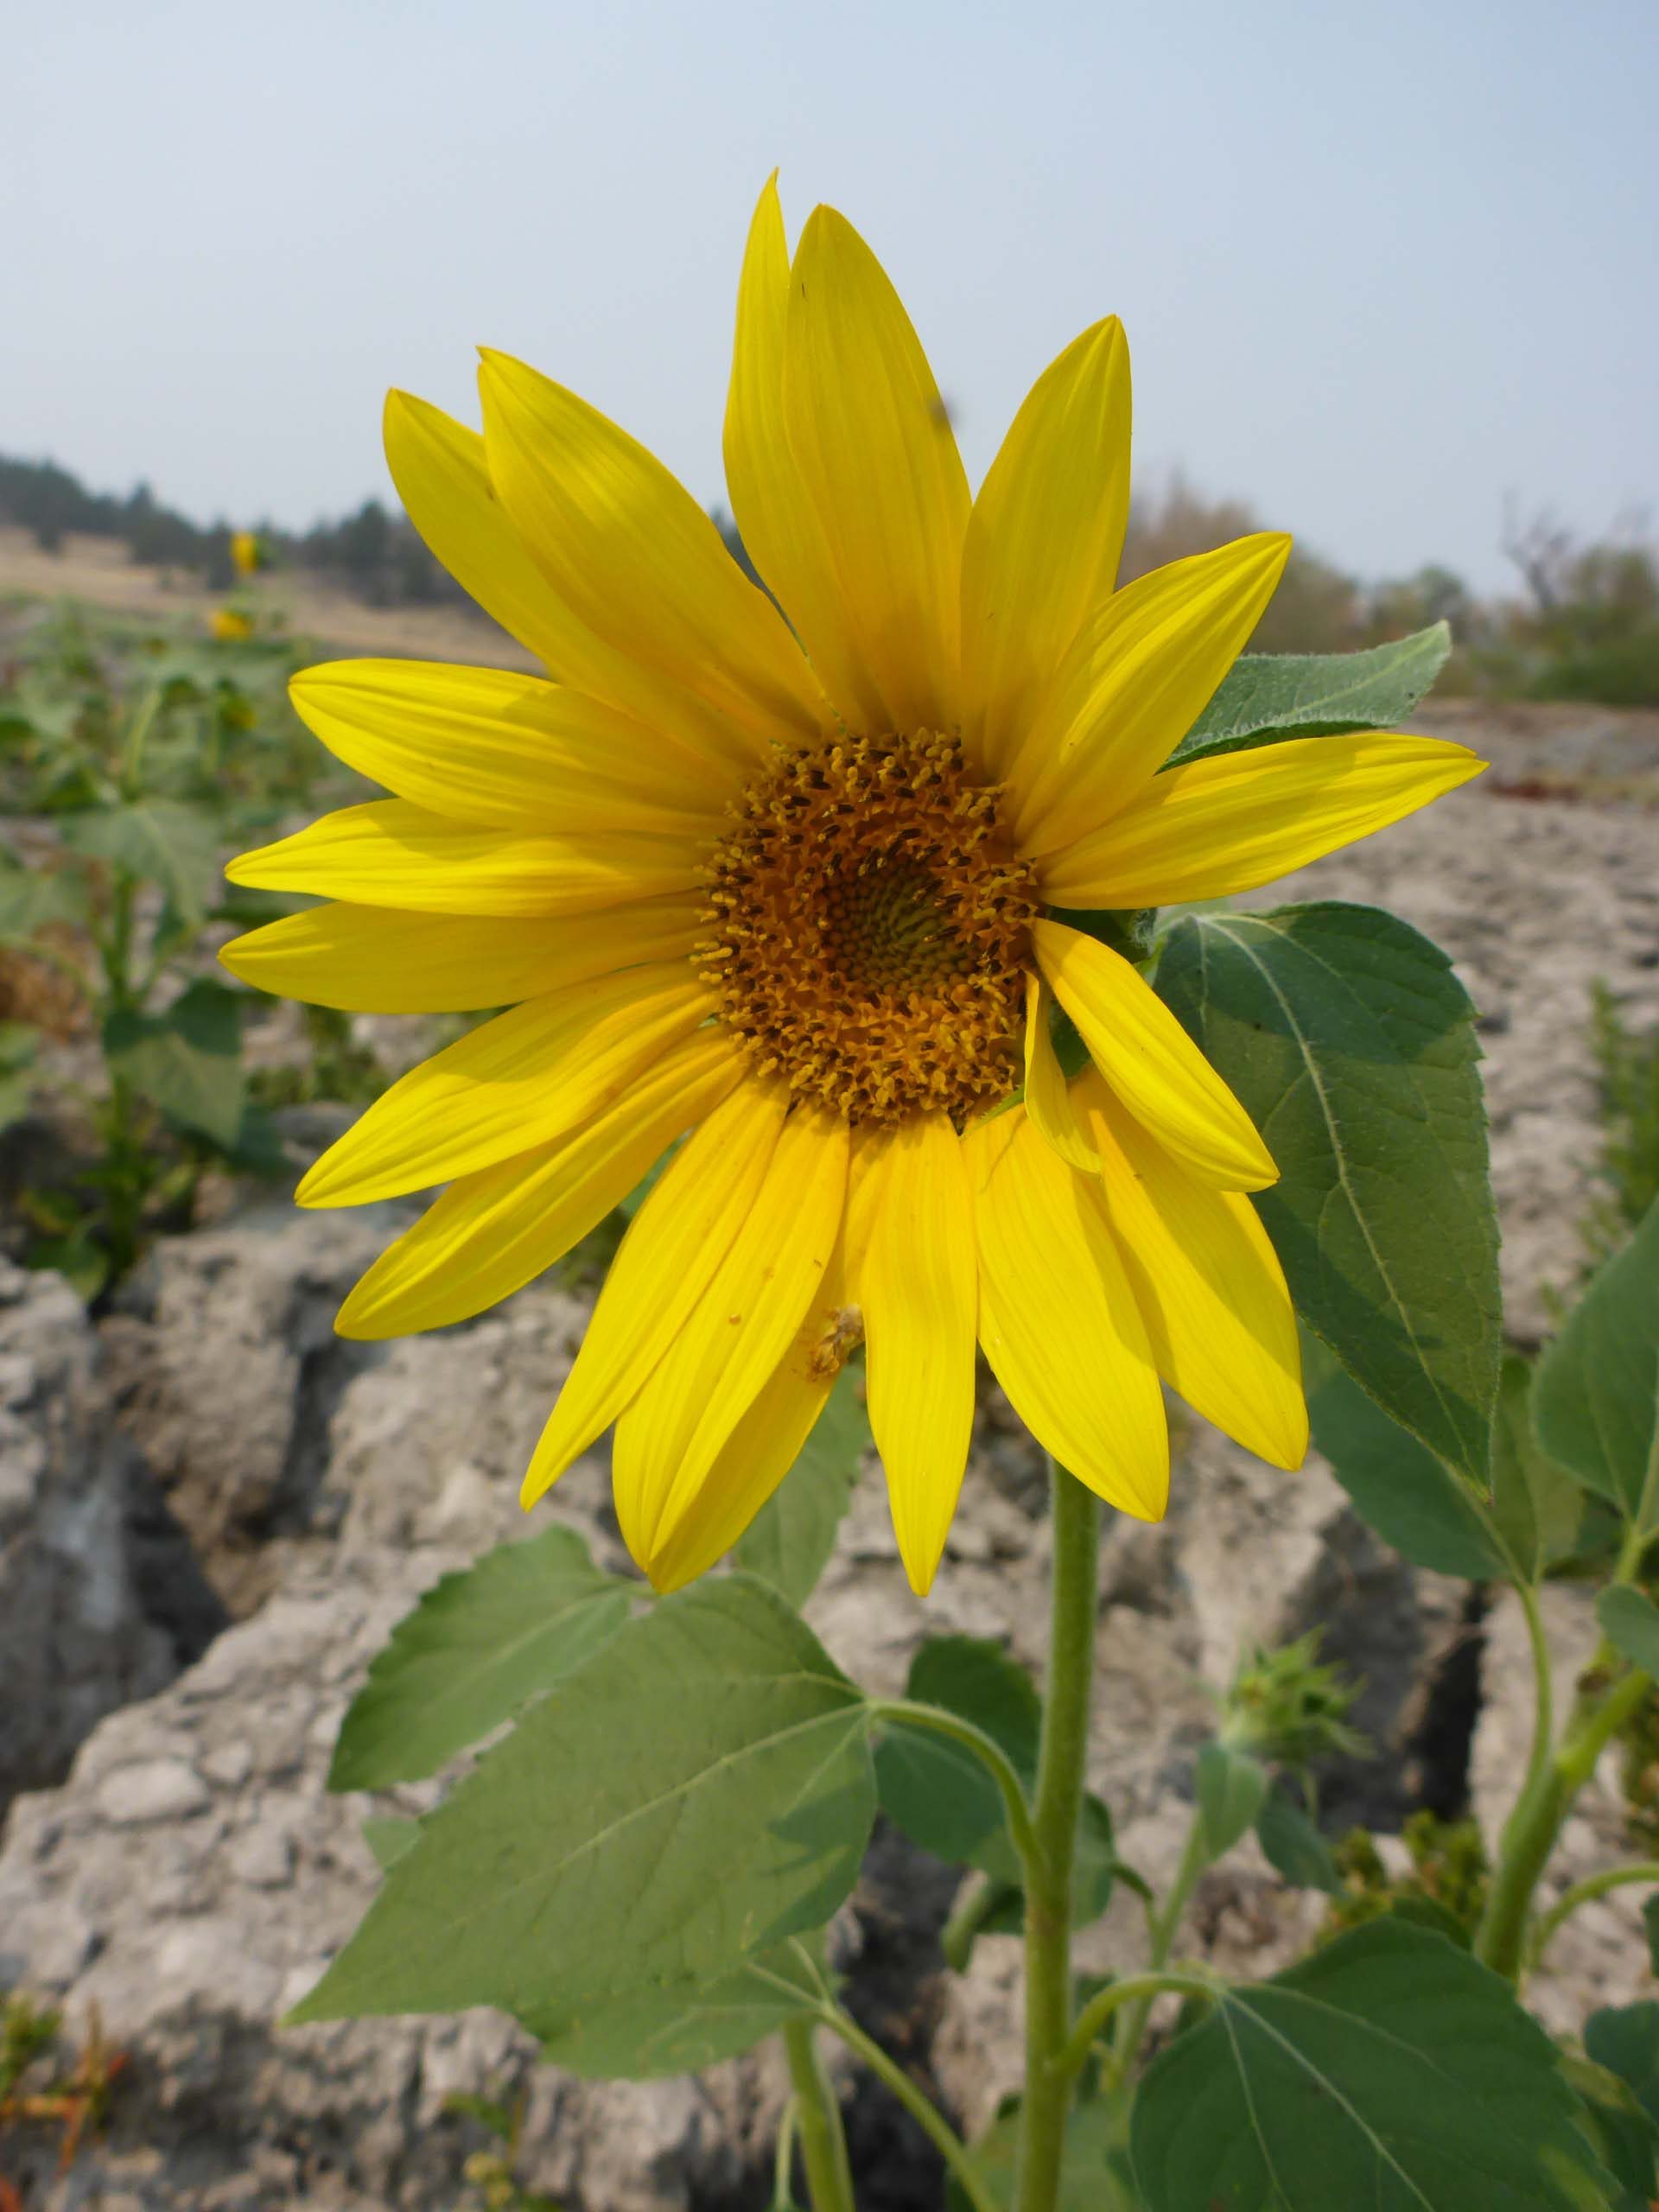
x,y
795,875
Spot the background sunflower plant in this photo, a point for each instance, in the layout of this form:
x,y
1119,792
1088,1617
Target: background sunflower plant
x,y
891,907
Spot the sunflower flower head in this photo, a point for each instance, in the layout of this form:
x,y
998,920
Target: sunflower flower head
x,y
795,876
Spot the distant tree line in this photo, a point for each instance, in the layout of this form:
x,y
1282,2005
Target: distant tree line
x,y
374,554
1585,625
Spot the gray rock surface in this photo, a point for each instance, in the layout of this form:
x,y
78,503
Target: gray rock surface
x,y
75,1641
226,1370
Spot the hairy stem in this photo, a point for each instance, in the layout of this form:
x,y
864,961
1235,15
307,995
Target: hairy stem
x,y
1586,1892
783,2162
1074,1603
817,2121
917,2103
1129,2031
1543,1723
987,1751
1135,1994
1530,1836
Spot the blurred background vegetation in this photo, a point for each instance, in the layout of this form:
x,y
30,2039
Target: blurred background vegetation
x,y
1582,621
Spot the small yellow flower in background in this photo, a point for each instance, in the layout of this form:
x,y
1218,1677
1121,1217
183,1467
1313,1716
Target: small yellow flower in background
x,y
230,627
786,886
247,554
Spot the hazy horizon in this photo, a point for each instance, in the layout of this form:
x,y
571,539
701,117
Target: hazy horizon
x,y
1376,276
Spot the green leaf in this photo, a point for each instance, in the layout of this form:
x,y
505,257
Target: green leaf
x,y
32,898
1270,696
938,1791
1231,1789
1352,1044
257,1148
677,2028
789,1542
1596,1400
1294,1848
1409,1497
1536,1504
478,1646
699,1791
188,1061
1629,1621
77,1256
389,1835
1388,2070
160,841
1624,2038
1626,2140
1651,1921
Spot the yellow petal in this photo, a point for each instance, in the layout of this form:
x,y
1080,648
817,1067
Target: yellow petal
x,y
875,449
1150,1062
1209,1285
775,1268
913,1272
1045,539
761,1449
665,1262
390,854
1059,1322
630,550
380,960
775,516
493,1231
1048,1096
1246,818
1133,684
507,751
519,1081
439,467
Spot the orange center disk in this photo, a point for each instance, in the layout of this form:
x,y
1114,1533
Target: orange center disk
x,y
869,928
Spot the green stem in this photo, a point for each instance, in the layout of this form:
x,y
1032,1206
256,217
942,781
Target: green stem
x,y
1074,1605
1543,1723
1535,1823
783,2196
818,2118
1553,1779
985,1749
133,753
1136,1992
921,2107
115,948
1131,2028
1586,1892
975,1901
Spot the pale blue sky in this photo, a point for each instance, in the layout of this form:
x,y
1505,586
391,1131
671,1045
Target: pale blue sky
x,y
1379,265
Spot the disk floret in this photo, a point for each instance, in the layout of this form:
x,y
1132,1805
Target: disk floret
x,y
868,925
